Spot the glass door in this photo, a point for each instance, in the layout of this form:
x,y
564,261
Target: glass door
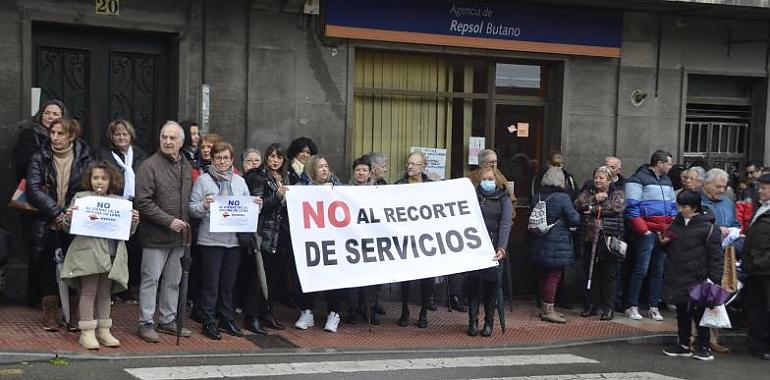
x,y
518,134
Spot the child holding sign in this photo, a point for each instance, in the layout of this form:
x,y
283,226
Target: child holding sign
x,y
96,265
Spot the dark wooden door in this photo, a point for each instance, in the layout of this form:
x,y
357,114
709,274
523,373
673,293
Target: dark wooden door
x,y
102,75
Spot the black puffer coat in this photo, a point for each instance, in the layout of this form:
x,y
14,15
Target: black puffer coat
x,y
757,256
694,254
41,186
32,136
273,219
555,248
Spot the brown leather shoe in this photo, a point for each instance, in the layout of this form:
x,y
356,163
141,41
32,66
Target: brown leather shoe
x,y
718,348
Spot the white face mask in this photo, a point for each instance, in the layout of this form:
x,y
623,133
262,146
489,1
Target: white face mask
x,y
488,185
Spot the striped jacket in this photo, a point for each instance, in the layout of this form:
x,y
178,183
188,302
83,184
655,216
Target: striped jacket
x,y
650,202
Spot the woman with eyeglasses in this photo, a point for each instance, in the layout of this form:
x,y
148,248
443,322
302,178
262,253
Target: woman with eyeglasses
x,y
220,251
414,173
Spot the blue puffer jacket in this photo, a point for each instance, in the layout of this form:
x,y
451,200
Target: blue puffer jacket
x,y
555,249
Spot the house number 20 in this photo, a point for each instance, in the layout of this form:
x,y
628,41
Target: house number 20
x,y
107,7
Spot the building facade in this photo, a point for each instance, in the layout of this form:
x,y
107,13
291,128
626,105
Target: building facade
x,y
587,78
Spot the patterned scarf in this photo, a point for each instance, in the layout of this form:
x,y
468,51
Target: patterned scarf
x,y
223,179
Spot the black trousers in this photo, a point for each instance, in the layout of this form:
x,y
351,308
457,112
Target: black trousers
x,y
603,280
686,316
758,304
46,269
219,268
481,291
426,290
333,300
26,221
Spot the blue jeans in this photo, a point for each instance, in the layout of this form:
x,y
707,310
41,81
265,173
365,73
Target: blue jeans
x,y
650,259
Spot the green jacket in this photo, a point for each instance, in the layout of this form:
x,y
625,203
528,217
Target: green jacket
x,y
89,255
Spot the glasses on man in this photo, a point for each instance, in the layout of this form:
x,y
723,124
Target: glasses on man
x,y
415,164
489,162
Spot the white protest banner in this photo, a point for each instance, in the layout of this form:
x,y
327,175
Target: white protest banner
x,y
233,214
351,236
102,217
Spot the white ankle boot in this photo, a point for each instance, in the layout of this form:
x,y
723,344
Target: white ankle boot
x,y
87,335
103,334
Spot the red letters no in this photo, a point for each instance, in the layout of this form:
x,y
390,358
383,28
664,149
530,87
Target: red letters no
x,y
333,214
317,214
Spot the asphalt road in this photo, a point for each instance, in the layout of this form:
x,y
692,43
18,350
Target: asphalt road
x,y
616,360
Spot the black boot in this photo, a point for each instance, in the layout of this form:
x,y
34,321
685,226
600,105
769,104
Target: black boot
x,y
489,315
589,311
269,322
229,328
455,304
473,317
404,320
252,324
431,304
422,322
607,314
487,330
211,331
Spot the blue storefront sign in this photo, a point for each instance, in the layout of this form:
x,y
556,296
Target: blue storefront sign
x,y
480,25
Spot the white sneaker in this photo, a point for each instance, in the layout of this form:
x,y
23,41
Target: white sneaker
x,y
655,314
633,313
305,320
332,321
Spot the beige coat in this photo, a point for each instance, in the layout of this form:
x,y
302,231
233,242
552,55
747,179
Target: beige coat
x,y
89,255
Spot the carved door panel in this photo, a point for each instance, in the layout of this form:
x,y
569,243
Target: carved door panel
x,y
104,75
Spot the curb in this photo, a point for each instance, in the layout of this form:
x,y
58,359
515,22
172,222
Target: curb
x,y
12,357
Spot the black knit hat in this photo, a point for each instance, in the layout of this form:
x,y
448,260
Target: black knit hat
x,y
764,179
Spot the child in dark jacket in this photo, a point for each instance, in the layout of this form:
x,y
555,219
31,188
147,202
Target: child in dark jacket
x,y
694,256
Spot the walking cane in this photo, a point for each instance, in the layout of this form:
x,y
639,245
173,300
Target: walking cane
x,y
594,243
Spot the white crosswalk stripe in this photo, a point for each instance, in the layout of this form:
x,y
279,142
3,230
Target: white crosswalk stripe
x,y
307,368
590,376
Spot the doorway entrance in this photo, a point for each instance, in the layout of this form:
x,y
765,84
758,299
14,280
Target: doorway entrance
x,y
103,75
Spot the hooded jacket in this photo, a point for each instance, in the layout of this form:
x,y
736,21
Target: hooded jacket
x,y
694,254
555,248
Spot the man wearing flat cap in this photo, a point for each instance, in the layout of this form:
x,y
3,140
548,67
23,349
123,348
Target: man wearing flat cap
x,y
757,264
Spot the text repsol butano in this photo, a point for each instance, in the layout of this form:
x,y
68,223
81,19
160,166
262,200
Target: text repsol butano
x,y
389,248
338,213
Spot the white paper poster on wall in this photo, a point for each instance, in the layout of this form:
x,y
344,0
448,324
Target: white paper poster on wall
x,y
35,100
475,145
352,236
436,166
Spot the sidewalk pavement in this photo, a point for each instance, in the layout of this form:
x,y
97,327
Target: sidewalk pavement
x,y
21,333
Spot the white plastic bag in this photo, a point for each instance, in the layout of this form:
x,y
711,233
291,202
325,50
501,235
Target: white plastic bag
x,y
716,317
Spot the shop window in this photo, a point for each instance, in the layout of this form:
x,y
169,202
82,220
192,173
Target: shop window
x,y
515,79
717,135
402,101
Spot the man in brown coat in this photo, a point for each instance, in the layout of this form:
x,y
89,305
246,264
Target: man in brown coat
x,y
163,186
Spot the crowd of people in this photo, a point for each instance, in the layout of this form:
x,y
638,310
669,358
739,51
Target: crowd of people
x,y
643,241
